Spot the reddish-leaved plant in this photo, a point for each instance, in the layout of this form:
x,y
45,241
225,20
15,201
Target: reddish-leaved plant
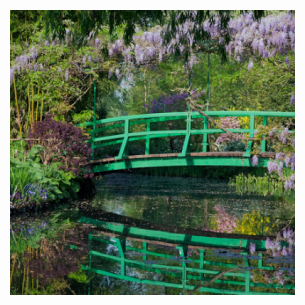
x,y
62,142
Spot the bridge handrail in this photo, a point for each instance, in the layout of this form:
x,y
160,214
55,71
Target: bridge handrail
x,y
126,136
194,114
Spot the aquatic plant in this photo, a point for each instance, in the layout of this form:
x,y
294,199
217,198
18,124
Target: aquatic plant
x,y
265,185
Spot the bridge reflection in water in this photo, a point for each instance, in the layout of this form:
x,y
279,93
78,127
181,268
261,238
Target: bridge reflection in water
x,y
183,259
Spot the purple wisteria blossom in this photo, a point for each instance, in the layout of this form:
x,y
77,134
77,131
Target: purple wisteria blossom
x,y
167,103
254,160
67,75
271,35
228,122
252,248
11,76
250,66
289,184
110,72
292,99
287,61
280,169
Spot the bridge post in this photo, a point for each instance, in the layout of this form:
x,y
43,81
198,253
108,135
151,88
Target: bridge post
x,y
248,278
264,142
205,142
252,128
124,146
144,249
202,252
147,144
186,144
183,254
121,244
92,141
90,263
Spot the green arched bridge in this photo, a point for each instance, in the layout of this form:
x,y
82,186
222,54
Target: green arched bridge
x,y
189,127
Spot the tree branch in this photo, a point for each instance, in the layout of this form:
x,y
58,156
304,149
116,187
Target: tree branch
x,y
194,105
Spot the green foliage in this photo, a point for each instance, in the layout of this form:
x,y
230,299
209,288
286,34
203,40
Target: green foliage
x,y
26,168
235,145
232,87
47,88
265,87
80,276
83,117
23,236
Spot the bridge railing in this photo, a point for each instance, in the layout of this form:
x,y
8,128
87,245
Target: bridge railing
x,y
182,271
98,139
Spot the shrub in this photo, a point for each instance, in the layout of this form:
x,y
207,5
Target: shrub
x,y
33,183
62,142
235,145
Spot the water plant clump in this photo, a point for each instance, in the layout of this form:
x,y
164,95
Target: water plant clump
x,y
266,185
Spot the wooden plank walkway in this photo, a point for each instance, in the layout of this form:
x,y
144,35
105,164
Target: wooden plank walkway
x,y
195,154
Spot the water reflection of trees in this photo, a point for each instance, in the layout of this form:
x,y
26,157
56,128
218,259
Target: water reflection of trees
x,y
43,267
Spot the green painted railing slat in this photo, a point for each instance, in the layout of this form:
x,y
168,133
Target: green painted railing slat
x,y
264,144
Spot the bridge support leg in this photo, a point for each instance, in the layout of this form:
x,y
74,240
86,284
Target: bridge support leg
x,y
121,244
264,142
145,249
183,255
201,251
90,264
247,278
186,145
92,143
147,143
252,128
124,146
205,142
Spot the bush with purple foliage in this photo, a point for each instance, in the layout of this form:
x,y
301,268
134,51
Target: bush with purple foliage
x,y
62,142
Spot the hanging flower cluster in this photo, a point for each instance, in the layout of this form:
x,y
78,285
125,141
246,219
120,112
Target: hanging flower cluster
x,y
279,256
228,122
271,35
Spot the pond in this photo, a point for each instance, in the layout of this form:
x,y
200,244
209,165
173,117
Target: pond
x,y
175,235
